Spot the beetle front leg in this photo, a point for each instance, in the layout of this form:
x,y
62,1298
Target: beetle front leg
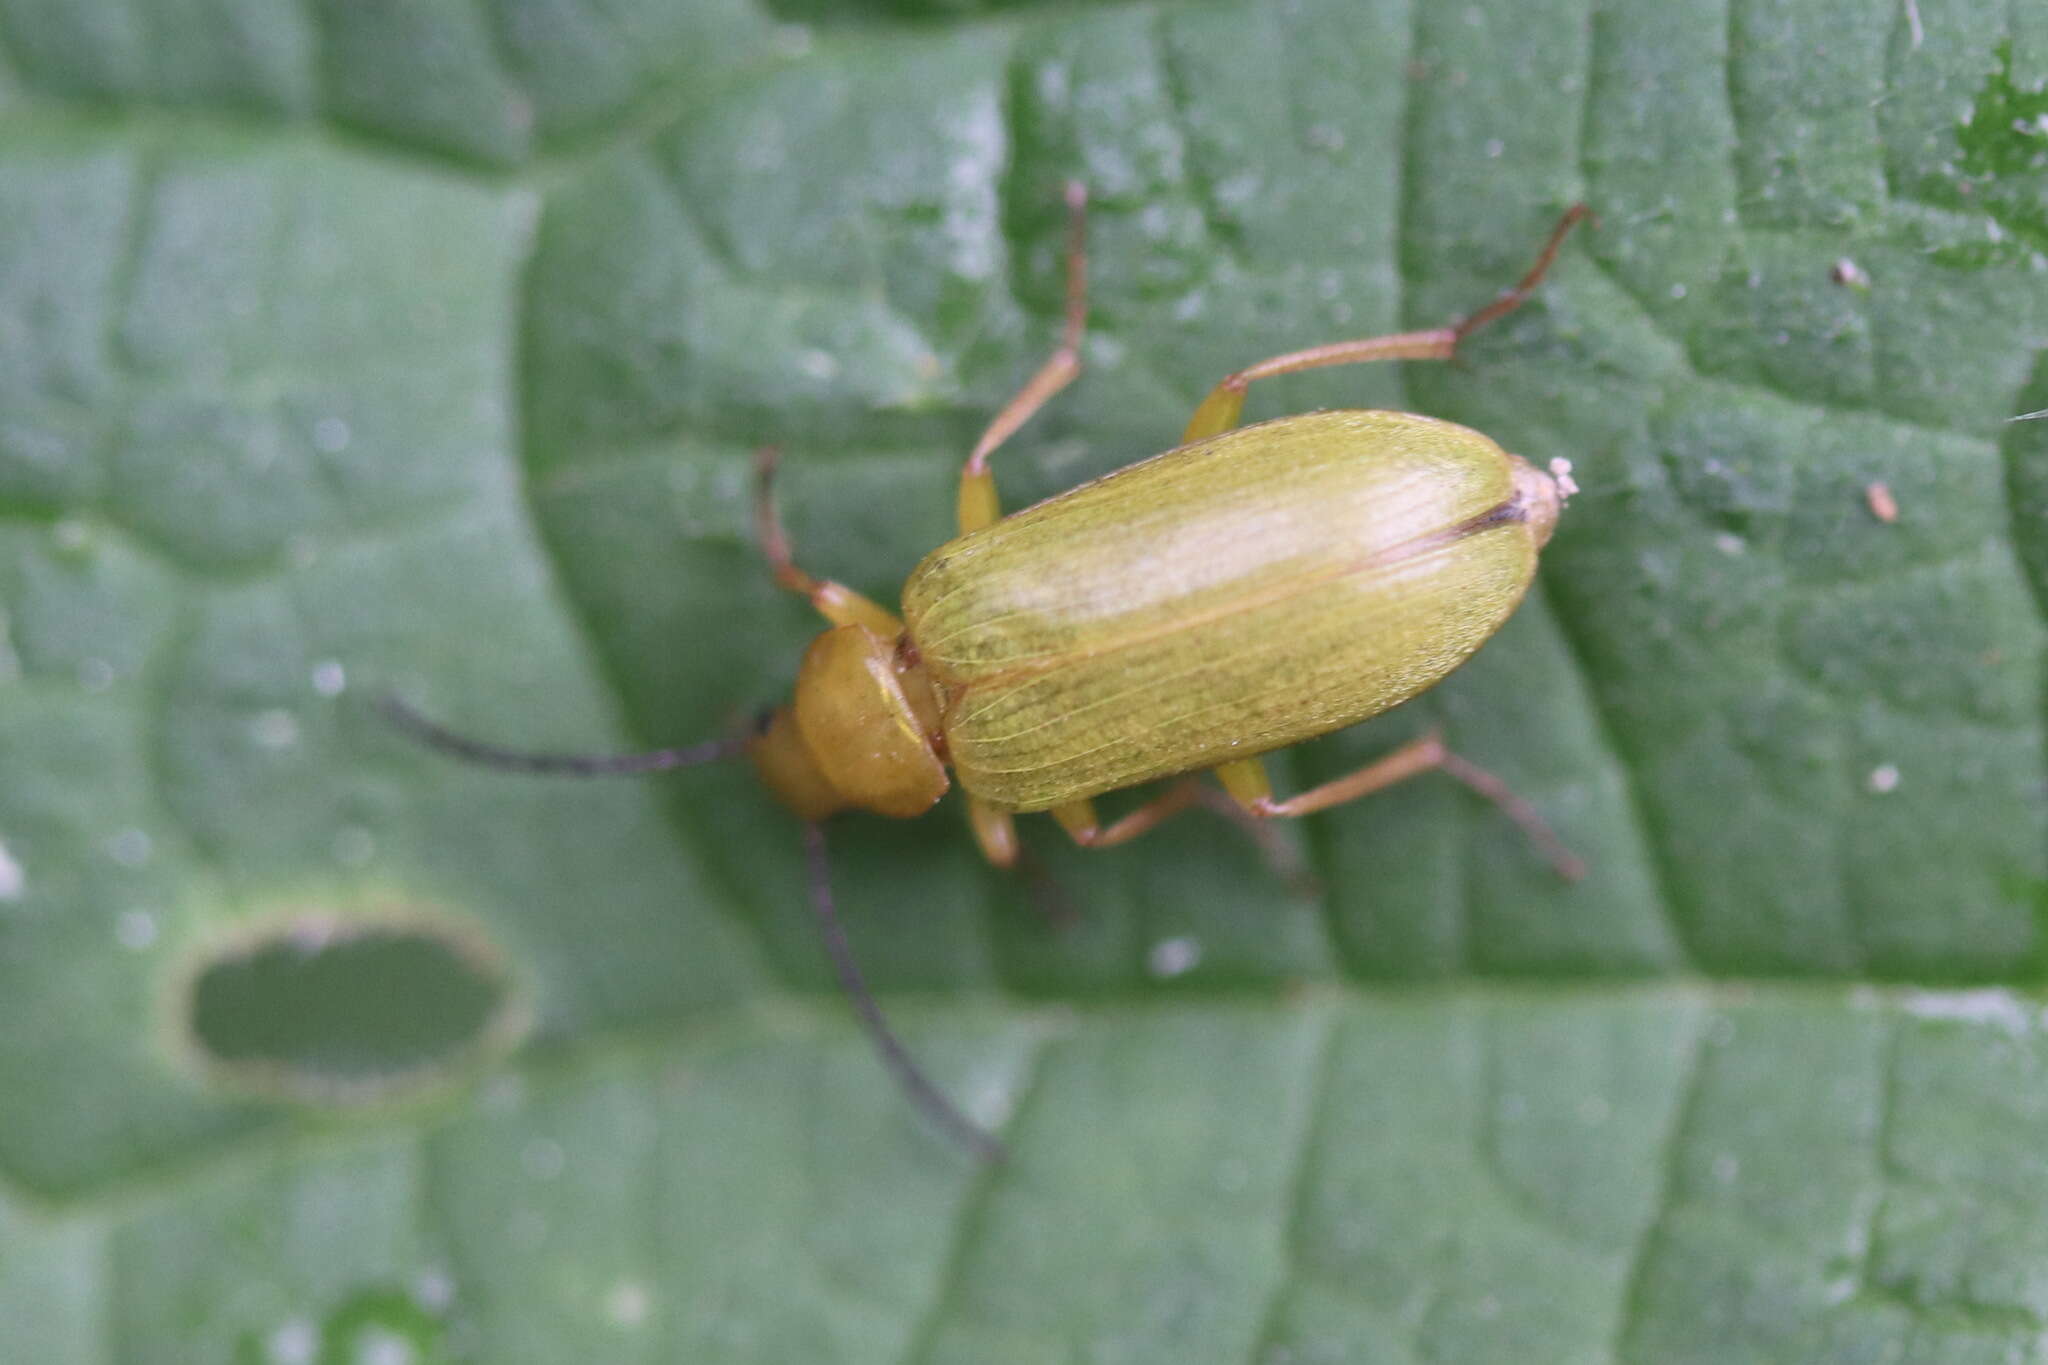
x,y
1224,407
1247,782
979,505
836,602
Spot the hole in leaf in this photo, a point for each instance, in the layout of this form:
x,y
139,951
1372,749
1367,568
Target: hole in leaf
x,y
336,1009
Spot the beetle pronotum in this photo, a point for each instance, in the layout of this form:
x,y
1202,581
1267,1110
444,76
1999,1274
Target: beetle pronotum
x,y
1253,587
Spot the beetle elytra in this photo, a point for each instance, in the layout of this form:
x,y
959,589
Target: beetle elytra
x,y
1252,587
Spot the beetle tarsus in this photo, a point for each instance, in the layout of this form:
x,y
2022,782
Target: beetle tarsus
x,y
1569,865
1282,856
1511,299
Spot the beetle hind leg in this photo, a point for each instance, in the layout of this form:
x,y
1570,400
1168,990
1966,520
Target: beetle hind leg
x,y
979,504
1247,782
1224,407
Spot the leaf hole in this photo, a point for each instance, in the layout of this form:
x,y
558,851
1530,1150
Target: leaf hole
x,y
331,1008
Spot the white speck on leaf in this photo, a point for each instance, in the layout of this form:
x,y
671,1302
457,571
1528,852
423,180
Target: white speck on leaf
x,y
275,729
971,223
380,1346
330,679
627,1303
293,1343
13,881
130,847
1171,957
1235,191
1883,779
331,435
1053,83
1995,1007
1105,352
135,930
433,1289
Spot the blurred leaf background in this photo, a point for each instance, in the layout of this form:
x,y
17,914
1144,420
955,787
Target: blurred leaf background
x,y
359,344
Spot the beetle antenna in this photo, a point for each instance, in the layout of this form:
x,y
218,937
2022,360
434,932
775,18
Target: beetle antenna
x,y
436,736
926,1096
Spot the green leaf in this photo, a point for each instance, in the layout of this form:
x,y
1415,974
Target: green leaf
x,y
424,346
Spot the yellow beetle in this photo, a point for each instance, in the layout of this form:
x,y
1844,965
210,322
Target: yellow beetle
x,y
1251,588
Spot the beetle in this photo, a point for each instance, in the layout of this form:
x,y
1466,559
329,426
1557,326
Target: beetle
x,y
1250,588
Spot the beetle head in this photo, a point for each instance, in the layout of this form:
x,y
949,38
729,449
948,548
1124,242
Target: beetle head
x,y
852,736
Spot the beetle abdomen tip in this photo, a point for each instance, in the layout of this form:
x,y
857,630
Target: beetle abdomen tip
x,y
1541,496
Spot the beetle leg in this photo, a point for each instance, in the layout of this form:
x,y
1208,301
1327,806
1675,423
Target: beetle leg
x,y
1079,821
1508,300
1078,818
836,602
995,830
1224,407
979,505
1426,754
